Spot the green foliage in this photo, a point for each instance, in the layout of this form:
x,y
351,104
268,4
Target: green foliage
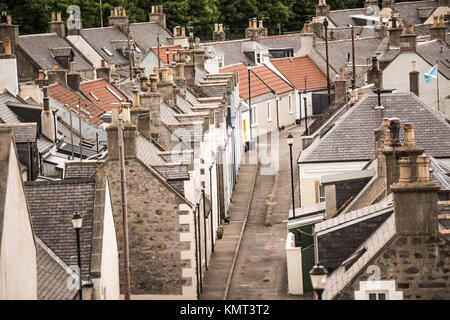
x,y
197,16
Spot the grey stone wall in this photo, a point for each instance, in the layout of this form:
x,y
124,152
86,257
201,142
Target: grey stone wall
x,y
420,266
154,230
347,189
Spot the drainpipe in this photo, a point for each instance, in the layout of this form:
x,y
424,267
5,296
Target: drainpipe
x,y
204,227
54,121
30,175
196,257
212,223
199,246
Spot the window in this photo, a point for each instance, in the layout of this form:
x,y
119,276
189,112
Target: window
x,y
290,103
269,111
377,296
113,93
321,193
258,58
254,116
107,51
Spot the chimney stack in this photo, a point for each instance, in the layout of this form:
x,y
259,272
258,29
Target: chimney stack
x,y
340,87
439,29
408,39
8,30
129,133
112,132
252,31
414,79
380,141
322,9
119,18
104,72
218,34
47,118
157,15
8,67
166,84
375,74
394,32
151,101
368,3
56,25
73,78
388,4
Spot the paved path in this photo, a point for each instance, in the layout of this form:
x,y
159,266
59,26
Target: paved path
x,y
260,271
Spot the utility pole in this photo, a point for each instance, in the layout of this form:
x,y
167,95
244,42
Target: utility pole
x,y
79,127
129,50
437,83
101,14
306,110
159,56
353,59
71,129
123,184
325,24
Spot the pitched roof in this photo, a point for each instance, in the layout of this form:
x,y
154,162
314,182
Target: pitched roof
x,y
147,152
433,51
411,11
352,139
235,51
23,132
80,170
89,111
145,34
43,47
257,86
6,114
101,93
51,205
284,41
273,80
342,18
163,53
295,69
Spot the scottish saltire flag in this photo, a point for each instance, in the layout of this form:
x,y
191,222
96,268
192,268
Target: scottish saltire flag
x,y
431,74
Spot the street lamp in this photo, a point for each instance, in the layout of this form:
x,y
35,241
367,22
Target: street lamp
x,y
318,276
290,141
77,222
325,24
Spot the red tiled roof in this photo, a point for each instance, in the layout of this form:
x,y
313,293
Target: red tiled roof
x,y
90,111
295,69
163,54
98,89
272,79
257,86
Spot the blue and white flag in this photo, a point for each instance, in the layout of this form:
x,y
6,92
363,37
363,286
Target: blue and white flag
x,y
431,74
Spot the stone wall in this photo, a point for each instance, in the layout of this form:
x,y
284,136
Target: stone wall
x,y
347,189
420,266
154,230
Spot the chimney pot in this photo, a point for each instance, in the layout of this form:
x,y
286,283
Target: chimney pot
x,y
423,168
405,170
53,16
126,112
72,67
136,98
41,75
387,138
46,101
409,135
216,27
394,127
154,82
102,63
413,65
143,81
7,45
115,113
55,66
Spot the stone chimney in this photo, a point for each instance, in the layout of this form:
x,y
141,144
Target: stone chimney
x,y
47,118
56,25
112,132
198,55
179,79
166,84
8,67
74,25
218,34
317,27
307,40
414,79
104,72
380,140
262,31
375,74
57,75
394,33
73,78
179,36
140,116
322,9
368,3
118,18
129,133
415,198
394,150
157,15
8,30
41,81
340,87
150,99
439,29
408,39
252,31
388,4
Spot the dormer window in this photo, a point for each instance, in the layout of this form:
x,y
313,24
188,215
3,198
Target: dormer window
x,y
258,57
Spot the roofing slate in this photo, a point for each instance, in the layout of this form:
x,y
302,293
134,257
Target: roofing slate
x,y
342,18
295,69
433,51
51,205
285,41
6,114
23,132
183,103
167,113
352,138
234,51
80,170
410,11
97,89
39,47
145,35
147,152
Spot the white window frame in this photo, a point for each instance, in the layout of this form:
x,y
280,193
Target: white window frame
x,y
254,118
378,286
321,192
269,111
290,104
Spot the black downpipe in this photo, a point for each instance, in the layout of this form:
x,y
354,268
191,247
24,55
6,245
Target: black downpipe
x,y
212,222
196,256
204,227
200,247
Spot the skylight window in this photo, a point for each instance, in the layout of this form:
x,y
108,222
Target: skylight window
x,y
107,51
114,94
94,96
137,49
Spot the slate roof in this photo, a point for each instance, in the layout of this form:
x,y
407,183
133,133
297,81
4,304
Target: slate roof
x,y
51,205
39,48
273,80
257,86
441,173
167,114
338,51
183,103
431,52
52,275
97,89
65,132
352,139
145,35
341,18
80,170
234,51
173,171
410,11
282,41
100,38
23,132
6,114
163,54
295,69
89,111
190,97
147,152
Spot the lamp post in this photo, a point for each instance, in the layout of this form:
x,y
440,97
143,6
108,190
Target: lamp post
x,y
250,103
77,222
318,276
325,24
290,141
